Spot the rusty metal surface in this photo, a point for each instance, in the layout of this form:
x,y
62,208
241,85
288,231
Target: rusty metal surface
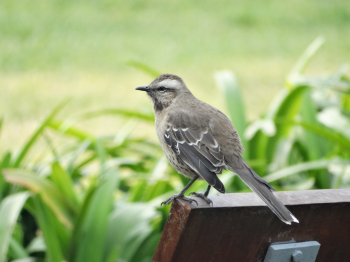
x,y
240,227
172,232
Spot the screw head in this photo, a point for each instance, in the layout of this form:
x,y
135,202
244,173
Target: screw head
x,y
297,256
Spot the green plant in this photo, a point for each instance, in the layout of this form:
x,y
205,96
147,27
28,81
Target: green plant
x,y
77,213
85,198
305,131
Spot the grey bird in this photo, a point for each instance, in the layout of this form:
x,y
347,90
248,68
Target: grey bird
x,y
200,142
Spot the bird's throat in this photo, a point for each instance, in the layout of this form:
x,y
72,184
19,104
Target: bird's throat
x,y
159,106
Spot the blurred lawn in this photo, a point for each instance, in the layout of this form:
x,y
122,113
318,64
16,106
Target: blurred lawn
x,y
50,50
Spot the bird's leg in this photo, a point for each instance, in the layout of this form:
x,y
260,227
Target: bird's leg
x,y
203,196
181,194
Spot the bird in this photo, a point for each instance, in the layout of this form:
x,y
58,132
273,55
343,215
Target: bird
x,y
200,142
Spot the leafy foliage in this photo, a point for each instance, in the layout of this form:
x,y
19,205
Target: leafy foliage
x,y
97,198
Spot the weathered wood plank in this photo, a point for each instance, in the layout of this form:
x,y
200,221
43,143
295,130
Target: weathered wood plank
x,y
240,227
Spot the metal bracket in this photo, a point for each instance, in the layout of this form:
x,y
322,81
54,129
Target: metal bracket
x,y
293,252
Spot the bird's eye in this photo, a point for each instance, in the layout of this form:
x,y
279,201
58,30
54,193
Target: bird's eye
x,y
162,88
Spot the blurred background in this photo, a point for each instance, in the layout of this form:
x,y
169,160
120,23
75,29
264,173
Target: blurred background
x,y
51,50
91,165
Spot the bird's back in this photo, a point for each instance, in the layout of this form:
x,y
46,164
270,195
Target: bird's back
x,y
193,113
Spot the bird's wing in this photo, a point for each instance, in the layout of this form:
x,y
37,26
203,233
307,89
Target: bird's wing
x,y
199,150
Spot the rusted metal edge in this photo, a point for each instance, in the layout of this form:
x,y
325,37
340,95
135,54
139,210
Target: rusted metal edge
x,y
172,231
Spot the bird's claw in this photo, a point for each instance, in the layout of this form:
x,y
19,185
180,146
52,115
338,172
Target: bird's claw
x,y
202,196
178,196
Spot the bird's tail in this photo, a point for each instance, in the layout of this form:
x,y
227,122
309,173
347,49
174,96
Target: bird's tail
x,y
265,192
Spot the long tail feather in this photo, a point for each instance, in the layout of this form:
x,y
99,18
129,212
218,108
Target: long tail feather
x,y
265,192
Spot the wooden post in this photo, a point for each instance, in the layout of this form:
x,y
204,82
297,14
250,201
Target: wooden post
x,y
240,227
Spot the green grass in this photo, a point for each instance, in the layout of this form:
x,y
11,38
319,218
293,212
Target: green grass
x,y
51,50
100,35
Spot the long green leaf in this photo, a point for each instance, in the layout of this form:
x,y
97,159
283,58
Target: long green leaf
x,y
327,133
64,182
5,163
257,151
80,150
345,104
1,122
289,107
332,118
37,133
56,235
48,191
228,84
16,250
101,152
316,145
129,226
72,131
306,56
145,250
309,115
79,223
144,68
93,231
9,211
291,170
112,111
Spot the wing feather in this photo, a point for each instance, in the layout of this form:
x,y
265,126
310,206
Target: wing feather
x,y
199,150
189,138
178,135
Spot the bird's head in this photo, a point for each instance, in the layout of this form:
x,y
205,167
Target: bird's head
x,y
164,89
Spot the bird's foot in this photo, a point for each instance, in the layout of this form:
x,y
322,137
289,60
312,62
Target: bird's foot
x,y
202,196
178,196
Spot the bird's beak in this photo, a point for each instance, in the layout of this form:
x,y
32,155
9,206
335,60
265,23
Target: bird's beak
x,y
142,88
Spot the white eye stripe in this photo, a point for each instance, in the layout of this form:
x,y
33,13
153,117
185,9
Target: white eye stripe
x,y
170,83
